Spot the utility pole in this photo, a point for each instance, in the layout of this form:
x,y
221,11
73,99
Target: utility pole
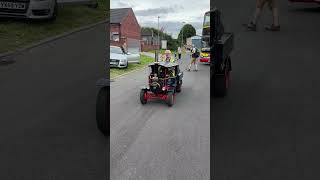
x,y
182,34
158,33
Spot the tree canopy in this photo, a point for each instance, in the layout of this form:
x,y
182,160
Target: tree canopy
x,y
172,44
188,31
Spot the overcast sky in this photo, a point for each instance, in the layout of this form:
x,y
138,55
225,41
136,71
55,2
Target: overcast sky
x,y
172,13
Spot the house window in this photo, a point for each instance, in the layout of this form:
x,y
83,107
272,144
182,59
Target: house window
x,y
115,36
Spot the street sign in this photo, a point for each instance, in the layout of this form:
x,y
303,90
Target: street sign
x,y
164,44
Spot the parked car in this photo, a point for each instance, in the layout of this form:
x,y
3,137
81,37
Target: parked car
x,y
133,56
36,9
118,58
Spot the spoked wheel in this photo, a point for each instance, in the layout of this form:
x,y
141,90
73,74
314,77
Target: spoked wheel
x,y
170,99
143,96
102,111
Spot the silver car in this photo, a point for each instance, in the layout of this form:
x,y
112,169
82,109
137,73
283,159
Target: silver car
x,y
118,58
133,55
34,9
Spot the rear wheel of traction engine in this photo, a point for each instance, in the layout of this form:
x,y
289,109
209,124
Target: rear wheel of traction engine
x,y
102,111
221,81
143,96
170,99
178,89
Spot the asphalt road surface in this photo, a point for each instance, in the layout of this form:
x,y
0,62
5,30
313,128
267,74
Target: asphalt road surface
x,y
268,125
47,114
154,141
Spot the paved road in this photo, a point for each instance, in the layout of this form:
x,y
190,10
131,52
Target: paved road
x,y
268,126
47,114
154,141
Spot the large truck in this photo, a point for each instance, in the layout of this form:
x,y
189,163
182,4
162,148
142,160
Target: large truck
x,y
220,44
37,9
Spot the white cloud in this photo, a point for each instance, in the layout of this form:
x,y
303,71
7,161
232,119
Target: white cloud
x,y
172,13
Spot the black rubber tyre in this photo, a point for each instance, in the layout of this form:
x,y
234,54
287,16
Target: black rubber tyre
x,y
103,111
94,5
221,83
178,89
55,12
143,100
127,65
170,100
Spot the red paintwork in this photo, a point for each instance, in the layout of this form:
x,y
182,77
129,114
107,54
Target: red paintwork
x,y
150,95
205,59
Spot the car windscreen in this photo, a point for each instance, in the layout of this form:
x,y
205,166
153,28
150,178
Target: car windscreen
x,y
116,50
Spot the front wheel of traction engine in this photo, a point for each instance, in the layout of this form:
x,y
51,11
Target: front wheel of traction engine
x,y
170,99
102,111
143,98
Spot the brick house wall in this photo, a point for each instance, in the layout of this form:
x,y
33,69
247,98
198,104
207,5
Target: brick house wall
x,y
129,28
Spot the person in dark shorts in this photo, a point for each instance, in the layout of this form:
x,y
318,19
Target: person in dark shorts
x,y
252,25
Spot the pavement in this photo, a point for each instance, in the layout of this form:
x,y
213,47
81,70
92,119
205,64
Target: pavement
x,y
154,141
47,100
268,125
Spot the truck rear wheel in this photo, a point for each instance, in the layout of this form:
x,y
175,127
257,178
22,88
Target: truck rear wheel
x,y
102,111
222,82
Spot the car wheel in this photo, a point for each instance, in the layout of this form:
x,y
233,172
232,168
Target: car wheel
x,y
55,12
143,96
127,65
94,5
102,111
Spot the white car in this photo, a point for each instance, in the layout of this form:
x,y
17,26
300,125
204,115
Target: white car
x,y
34,9
118,58
133,56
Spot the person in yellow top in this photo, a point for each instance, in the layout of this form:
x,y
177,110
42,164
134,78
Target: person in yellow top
x,y
167,57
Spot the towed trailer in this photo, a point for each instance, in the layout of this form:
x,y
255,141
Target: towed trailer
x,y
221,46
103,106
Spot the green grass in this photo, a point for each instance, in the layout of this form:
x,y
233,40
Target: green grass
x,y
144,61
20,33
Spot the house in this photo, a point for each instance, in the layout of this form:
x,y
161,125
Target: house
x,y
124,29
149,40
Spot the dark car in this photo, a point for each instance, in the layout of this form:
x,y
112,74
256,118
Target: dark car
x,y
165,80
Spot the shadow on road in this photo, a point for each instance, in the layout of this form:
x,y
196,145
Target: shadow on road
x,y
305,10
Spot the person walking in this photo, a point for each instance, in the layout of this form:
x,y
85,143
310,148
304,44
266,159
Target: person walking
x,y
273,6
194,55
179,53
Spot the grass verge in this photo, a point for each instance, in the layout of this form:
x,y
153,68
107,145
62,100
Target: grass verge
x,y
144,61
16,34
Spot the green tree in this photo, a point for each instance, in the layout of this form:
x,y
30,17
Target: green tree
x,y
172,44
188,31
